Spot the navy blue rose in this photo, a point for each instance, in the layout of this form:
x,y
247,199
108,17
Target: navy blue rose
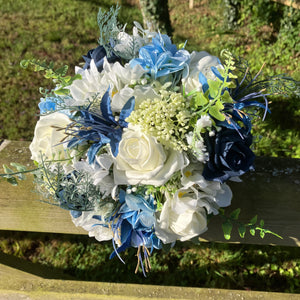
x,y
229,154
98,55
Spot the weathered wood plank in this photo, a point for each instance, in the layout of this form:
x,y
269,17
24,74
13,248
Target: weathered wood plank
x,y
15,284
293,3
272,192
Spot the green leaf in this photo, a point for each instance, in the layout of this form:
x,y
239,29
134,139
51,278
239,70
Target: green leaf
x,y
261,223
262,234
235,214
226,97
12,180
215,113
253,220
214,86
242,230
62,71
227,228
200,100
252,231
62,92
7,170
24,63
19,167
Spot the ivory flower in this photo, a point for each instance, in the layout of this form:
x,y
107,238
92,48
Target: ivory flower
x,y
48,135
142,160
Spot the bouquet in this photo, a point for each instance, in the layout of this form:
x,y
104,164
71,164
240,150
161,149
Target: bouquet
x,y
138,145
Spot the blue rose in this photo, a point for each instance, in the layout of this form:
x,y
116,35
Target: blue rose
x,y
98,55
229,154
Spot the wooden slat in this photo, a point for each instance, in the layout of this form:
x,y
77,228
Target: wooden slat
x,y
15,284
272,192
293,3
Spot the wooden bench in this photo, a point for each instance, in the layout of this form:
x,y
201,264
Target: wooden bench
x,y
272,192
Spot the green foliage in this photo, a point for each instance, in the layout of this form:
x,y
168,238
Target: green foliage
x,y
202,103
108,25
61,32
17,172
266,33
208,265
58,75
232,220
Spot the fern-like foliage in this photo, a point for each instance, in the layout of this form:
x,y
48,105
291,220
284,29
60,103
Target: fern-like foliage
x,y
109,27
57,75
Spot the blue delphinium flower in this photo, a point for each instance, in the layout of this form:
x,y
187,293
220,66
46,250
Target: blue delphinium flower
x,y
98,54
133,226
101,129
161,58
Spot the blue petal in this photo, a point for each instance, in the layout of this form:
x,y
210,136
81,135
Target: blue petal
x,y
126,111
76,213
93,150
106,108
217,73
203,81
122,195
115,138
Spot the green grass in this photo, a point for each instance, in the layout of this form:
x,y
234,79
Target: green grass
x,y
271,38
208,265
63,31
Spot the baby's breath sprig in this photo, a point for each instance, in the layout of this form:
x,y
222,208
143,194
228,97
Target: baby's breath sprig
x,y
166,118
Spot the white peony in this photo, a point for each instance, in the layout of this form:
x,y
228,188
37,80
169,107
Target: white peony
x,y
213,193
48,135
84,90
118,78
95,227
200,62
182,217
142,160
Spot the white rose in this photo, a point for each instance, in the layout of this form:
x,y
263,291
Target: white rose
x,y
47,139
141,159
182,217
200,62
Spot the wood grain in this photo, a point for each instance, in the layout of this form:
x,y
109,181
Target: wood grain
x,y
271,192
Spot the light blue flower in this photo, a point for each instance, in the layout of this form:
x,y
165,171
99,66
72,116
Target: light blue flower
x,y
161,58
47,105
133,225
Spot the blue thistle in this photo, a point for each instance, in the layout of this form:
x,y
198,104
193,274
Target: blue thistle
x,y
100,129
